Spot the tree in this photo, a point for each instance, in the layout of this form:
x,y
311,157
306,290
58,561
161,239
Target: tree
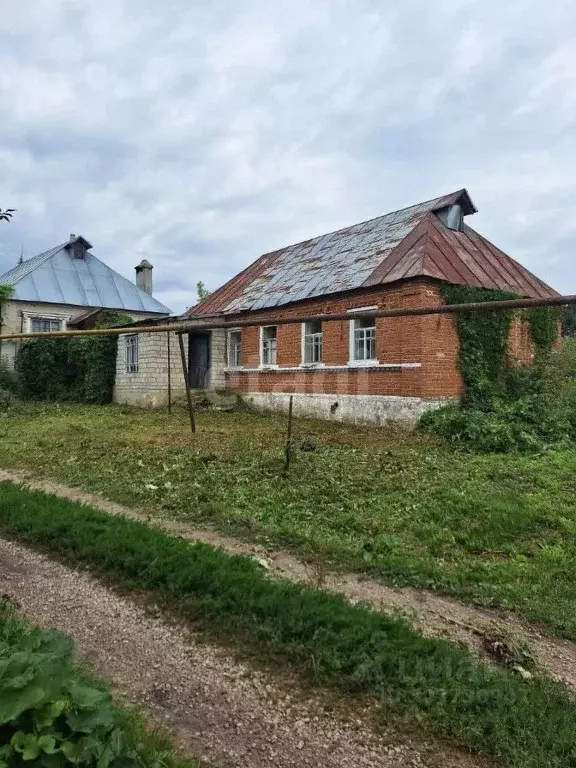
x,y
202,291
6,215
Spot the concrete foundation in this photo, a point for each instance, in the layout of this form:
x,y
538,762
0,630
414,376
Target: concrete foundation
x,y
376,410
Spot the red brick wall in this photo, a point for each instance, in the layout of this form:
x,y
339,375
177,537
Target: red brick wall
x,y
431,340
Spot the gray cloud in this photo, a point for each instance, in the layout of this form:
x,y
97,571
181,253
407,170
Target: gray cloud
x,y
201,134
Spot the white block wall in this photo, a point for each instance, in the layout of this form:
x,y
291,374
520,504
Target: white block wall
x,y
149,387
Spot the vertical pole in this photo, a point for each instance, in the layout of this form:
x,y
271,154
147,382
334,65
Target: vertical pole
x,y
169,373
289,435
187,383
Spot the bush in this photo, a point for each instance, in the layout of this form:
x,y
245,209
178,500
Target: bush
x,y
74,369
8,379
527,424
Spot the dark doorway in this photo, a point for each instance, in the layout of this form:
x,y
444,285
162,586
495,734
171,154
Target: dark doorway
x,y
199,360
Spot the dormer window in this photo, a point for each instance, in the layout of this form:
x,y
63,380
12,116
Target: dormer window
x,y
79,250
77,246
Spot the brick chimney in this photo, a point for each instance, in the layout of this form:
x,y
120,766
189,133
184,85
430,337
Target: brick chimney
x,y
144,276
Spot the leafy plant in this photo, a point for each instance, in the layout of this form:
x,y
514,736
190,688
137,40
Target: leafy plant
x,y
53,716
75,369
7,213
47,717
483,340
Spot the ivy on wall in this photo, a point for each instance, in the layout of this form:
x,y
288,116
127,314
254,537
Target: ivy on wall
x,y
484,336
483,343
544,325
74,369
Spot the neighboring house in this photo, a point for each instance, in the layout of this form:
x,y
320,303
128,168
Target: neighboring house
x,y
67,287
368,370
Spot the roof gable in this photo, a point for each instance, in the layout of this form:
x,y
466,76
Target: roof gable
x,y
463,258
56,277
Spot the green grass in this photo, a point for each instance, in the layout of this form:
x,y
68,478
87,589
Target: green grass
x,y
357,650
499,530
151,746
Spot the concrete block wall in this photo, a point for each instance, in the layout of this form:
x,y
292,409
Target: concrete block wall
x,y
218,359
148,388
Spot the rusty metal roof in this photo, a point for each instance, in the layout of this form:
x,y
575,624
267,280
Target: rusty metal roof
x,y
412,242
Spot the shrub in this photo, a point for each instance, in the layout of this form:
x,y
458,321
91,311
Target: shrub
x,y
525,424
8,379
74,369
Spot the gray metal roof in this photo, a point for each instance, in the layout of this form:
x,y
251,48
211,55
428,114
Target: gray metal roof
x,y
339,261
56,277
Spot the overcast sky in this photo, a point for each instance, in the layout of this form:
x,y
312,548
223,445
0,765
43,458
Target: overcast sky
x,y
201,134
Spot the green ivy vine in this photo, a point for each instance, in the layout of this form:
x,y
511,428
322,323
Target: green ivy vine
x,y
483,342
483,336
544,325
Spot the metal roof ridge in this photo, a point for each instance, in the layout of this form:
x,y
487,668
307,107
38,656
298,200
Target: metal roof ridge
x,y
373,218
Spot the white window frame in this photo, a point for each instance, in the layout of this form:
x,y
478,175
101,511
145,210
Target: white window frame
x,y
317,341
232,363
274,346
52,317
352,359
132,366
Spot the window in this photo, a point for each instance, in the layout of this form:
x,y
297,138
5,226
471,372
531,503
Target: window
x,y
312,342
268,345
234,349
131,353
45,324
363,343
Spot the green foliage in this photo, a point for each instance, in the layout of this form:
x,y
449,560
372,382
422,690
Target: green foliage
x,y
544,325
353,648
569,321
203,292
504,408
509,425
74,369
6,292
569,358
8,379
483,343
6,214
48,717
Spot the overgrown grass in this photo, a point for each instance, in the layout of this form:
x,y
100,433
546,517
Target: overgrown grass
x,y
36,680
524,723
499,530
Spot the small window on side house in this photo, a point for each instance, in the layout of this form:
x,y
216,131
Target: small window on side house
x,y
132,356
234,349
363,345
45,324
312,342
268,346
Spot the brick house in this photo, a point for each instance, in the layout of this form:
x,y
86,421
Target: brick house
x,y
65,288
367,370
